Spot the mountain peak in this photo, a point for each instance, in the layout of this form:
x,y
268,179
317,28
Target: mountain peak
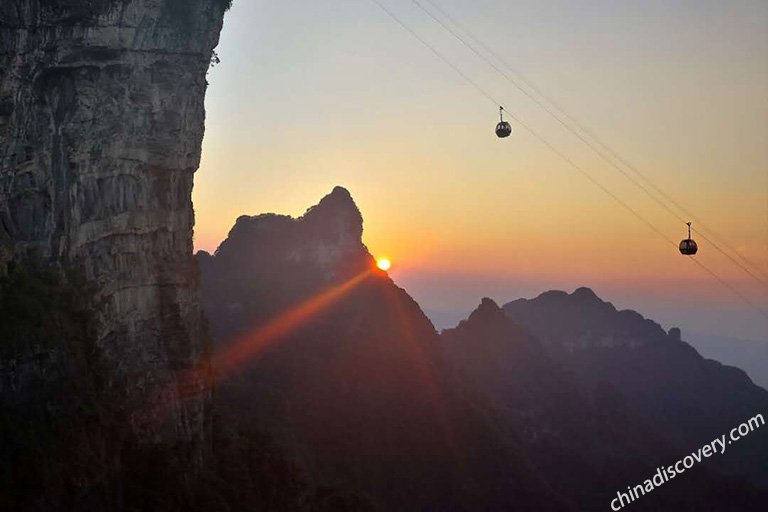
x,y
487,310
327,238
585,316
340,199
339,191
550,295
488,304
338,214
585,294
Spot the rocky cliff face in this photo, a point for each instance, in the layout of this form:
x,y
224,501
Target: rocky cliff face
x,y
101,124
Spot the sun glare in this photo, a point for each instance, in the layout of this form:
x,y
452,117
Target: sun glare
x,y
383,264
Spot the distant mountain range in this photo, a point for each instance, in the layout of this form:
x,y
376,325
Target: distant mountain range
x,y
551,404
749,355
659,378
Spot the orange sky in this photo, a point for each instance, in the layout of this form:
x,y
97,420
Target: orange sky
x,y
309,96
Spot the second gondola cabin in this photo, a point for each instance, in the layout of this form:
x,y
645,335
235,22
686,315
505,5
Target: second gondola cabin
x,y
503,129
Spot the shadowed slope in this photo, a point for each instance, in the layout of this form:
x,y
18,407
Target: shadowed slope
x,y
682,396
583,439
358,391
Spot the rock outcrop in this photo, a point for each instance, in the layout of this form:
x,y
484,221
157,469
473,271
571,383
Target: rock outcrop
x,y
101,125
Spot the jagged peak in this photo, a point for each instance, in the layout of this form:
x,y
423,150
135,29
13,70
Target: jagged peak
x,y
487,310
585,293
328,235
334,218
339,191
339,200
488,304
582,311
338,212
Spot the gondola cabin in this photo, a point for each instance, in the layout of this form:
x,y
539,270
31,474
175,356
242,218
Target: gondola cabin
x,y
503,129
688,247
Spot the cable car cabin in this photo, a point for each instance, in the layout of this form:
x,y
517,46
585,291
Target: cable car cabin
x,y
503,130
688,247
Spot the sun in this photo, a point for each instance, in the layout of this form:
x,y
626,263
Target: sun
x,y
383,264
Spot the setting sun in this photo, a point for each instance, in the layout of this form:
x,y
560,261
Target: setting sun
x,y
383,264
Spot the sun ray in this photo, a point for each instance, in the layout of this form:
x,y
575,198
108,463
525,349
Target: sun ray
x,y
262,337
192,383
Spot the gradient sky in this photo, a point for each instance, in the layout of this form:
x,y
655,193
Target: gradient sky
x,y
315,94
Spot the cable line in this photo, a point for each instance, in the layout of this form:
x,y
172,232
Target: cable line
x,y
437,53
575,133
734,290
559,153
525,126
592,135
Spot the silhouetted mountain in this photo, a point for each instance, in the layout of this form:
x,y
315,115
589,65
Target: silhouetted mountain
x,y
660,379
582,439
544,403
358,390
749,355
324,351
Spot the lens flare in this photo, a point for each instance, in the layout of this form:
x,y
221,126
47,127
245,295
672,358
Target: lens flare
x,y
383,264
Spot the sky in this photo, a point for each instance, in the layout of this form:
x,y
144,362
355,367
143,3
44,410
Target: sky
x,y
311,94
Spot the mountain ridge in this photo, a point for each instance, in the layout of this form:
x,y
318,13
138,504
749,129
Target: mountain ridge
x,y
483,416
359,392
679,393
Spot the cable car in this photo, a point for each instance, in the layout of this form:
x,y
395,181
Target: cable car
x,y
688,246
503,129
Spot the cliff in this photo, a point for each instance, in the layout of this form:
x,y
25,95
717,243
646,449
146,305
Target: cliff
x,y
101,124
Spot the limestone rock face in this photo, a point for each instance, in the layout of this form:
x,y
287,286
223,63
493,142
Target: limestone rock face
x,y
101,124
